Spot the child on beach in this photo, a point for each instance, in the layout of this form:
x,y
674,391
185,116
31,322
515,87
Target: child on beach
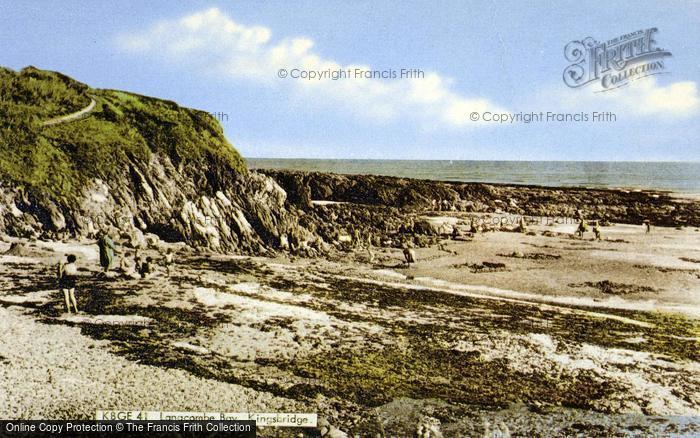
x,y
67,274
129,267
147,269
169,261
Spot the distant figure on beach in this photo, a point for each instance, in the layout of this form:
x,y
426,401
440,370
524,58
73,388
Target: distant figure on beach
x,y
128,268
124,264
582,228
168,261
355,233
147,268
647,226
67,275
522,226
596,230
107,249
409,255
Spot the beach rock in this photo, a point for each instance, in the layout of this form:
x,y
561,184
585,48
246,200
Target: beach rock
x,y
17,249
428,427
329,431
553,202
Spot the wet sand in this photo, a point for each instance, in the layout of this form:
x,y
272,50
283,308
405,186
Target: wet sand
x,y
537,333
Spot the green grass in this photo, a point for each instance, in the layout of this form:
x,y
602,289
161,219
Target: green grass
x,y
58,160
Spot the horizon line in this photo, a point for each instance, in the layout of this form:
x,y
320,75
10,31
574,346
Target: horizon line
x,y
469,160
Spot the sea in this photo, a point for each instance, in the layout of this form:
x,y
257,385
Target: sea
x,y
677,177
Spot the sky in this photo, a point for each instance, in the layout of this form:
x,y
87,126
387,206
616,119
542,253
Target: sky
x,y
472,57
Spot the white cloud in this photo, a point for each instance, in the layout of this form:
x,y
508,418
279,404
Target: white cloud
x,y
641,99
216,43
679,99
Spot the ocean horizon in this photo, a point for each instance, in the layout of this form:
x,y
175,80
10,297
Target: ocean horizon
x,y
677,177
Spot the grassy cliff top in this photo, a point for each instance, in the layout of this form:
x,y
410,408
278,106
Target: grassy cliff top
x,y
57,160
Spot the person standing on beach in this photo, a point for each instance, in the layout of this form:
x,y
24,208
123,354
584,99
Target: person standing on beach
x,y
107,249
647,226
124,264
370,249
169,261
522,226
582,227
409,254
67,274
596,230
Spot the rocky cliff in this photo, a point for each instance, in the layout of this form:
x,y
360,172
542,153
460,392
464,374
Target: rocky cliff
x,y
133,165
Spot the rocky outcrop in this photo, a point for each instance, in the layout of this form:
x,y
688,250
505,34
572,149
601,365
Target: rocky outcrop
x,y
556,202
242,212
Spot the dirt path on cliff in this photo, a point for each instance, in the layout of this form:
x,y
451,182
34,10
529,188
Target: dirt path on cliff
x,y
73,116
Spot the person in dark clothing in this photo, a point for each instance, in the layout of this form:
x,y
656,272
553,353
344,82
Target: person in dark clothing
x,y
147,268
107,249
409,256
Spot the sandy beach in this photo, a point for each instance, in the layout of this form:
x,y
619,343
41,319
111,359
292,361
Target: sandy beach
x,y
536,332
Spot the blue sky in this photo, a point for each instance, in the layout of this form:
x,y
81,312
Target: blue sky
x,y
223,57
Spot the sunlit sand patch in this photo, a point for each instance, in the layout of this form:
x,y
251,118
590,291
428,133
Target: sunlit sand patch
x,y
89,251
190,347
106,319
256,289
256,309
491,293
389,273
39,297
609,303
624,229
652,260
246,343
678,246
268,293
439,220
18,259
